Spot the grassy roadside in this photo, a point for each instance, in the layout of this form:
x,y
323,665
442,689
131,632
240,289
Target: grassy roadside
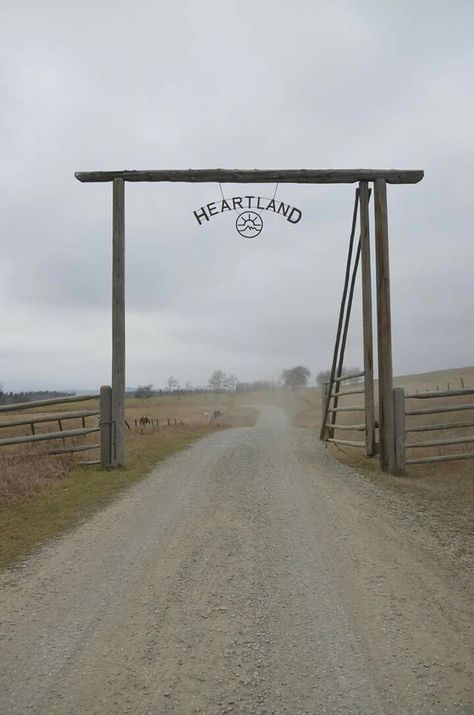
x,y
64,502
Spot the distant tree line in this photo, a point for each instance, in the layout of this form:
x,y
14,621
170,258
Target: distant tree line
x,y
254,386
10,398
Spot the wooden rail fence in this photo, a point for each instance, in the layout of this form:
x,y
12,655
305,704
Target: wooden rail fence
x,y
330,413
404,429
103,425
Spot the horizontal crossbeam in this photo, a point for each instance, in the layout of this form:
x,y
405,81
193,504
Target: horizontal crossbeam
x,y
258,176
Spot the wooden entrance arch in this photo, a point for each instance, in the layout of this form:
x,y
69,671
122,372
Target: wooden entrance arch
x,y
379,177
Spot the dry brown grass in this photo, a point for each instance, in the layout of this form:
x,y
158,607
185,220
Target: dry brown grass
x,y
24,474
25,469
42,495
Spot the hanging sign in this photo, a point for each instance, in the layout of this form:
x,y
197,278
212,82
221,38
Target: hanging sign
x,y
249,221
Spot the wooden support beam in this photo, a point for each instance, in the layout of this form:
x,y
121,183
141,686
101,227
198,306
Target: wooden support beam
x,y
45,436
342,309
442,458
399,426
442,426
72,450
433,395
257,176
439,410
351,428
441,442
348,442
106,426
118,325
38,418
18,406
367,318
384,330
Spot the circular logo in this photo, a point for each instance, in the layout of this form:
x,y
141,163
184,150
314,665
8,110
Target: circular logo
x,y
249,224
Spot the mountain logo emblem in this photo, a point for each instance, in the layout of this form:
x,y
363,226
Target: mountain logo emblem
x,y
249,224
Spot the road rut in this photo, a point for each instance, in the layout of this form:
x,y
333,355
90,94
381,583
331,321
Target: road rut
x,y
251,573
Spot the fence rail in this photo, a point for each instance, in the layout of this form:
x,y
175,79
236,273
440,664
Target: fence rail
x,y
43,403
402,430
54,417
44,436
104,425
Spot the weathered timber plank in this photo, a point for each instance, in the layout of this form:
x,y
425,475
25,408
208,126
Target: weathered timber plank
x,y
441,442
440,426
36,418
443,458
350,392
364,196
438,410
258,176
399,427
47,436
341,378
346,409
384,329
118,324
42,403
348,442
432,395
106,426
71,450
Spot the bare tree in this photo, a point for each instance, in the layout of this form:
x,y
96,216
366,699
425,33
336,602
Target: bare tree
x,y
173,384
232,382
217,381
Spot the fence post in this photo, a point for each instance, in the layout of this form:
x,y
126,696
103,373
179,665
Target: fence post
x,y
105,426
118,323
367,320
399,428
323,431
384,329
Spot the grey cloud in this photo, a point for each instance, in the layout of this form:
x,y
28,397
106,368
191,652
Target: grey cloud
x,y
163,85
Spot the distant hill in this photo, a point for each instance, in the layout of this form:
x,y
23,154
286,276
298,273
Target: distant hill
x,y
437,379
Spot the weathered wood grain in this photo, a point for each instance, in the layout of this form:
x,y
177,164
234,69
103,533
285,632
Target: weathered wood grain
x,y
369,402
384,329
257,176
18,406
118,324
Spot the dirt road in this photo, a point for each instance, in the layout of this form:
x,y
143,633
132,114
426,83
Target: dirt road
x,y
249,574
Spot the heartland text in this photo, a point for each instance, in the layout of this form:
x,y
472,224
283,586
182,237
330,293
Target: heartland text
x,y
240,203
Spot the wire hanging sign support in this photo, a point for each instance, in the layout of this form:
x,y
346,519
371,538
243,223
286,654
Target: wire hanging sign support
x,y
249,221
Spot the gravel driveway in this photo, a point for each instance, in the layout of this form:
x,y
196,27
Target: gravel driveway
x,y
251,573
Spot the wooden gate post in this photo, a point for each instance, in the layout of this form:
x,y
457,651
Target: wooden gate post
x,y
105,426
399,423
367,319
384,330
118,325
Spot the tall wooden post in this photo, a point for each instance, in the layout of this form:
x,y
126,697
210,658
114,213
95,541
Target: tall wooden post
x,y
118,325
384,330
367,318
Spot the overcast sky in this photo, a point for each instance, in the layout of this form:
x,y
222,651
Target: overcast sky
x,y
263,83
